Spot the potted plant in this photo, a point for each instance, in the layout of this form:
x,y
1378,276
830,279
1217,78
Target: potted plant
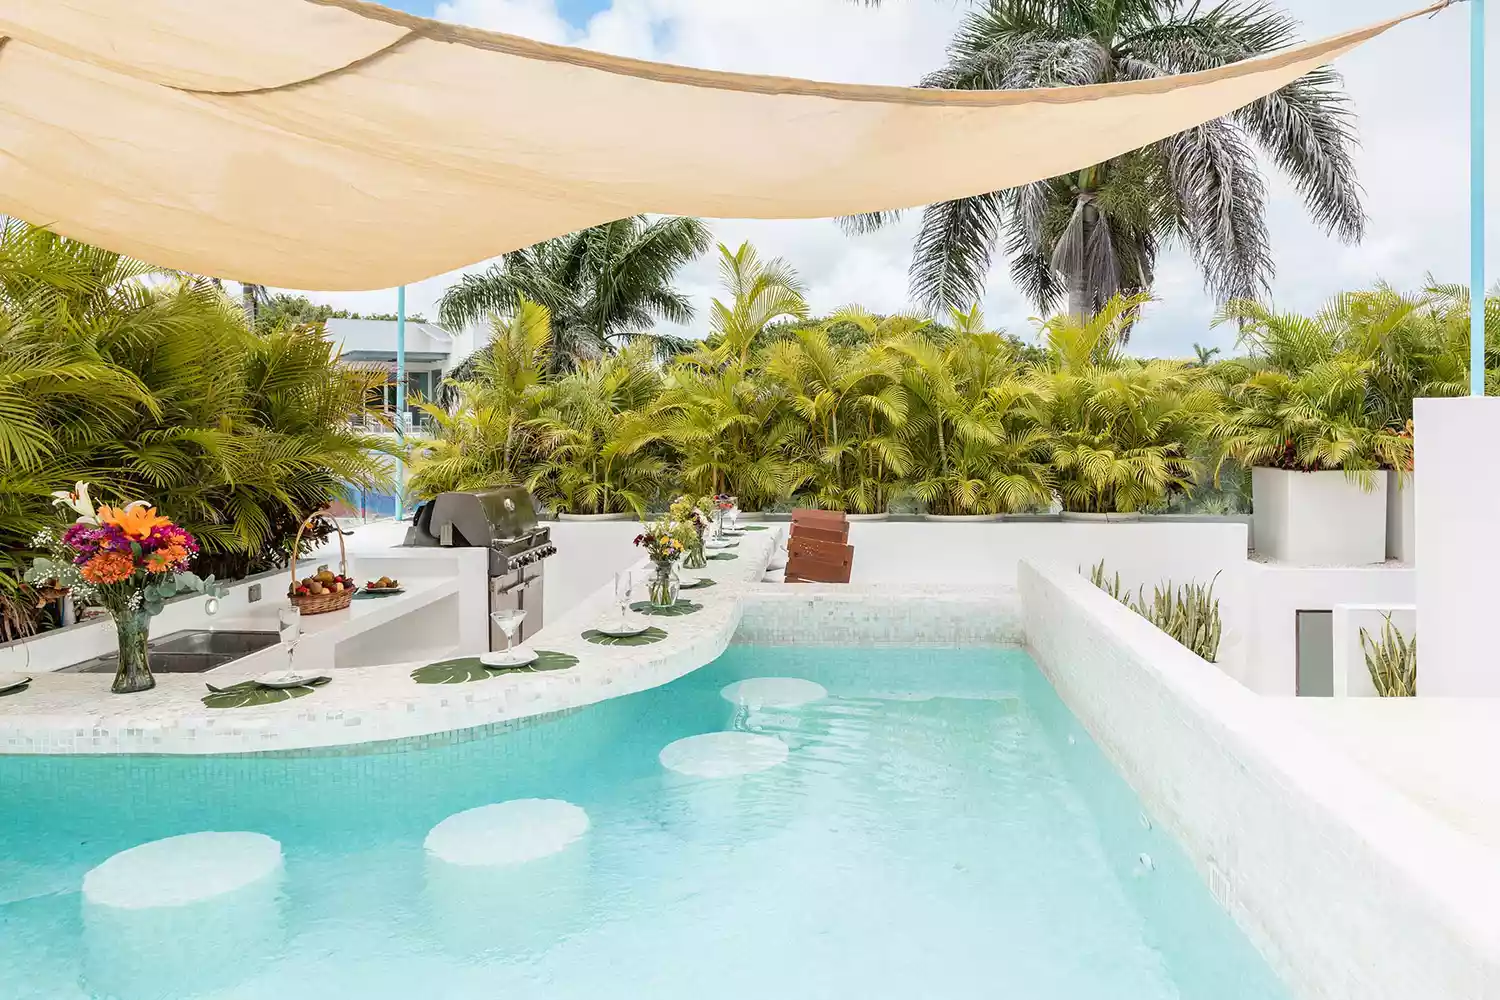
x,y
665,542
1318,462
1401,507
127,559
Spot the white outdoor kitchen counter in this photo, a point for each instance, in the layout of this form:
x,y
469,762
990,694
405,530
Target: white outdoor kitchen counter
x,y
62,713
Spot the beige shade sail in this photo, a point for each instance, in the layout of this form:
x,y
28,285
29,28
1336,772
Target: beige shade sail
x,y
338,145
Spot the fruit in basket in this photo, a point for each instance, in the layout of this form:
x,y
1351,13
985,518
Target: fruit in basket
x,y
324,581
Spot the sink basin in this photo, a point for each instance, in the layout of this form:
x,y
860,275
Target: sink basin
x,y
191,651
236,644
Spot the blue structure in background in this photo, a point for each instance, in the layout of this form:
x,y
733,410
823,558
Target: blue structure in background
x,y
1476,198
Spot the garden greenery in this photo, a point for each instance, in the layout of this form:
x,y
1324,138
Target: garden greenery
x,y
149,384
856,412
1189,613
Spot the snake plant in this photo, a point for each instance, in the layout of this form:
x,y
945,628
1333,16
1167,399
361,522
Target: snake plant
x,y
1392,661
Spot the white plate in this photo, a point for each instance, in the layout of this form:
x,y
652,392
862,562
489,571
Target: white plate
x,y
283,679
619,629
689,582
9,682
520,656
720,545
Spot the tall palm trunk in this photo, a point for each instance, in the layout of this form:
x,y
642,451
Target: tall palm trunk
x,y
1080,291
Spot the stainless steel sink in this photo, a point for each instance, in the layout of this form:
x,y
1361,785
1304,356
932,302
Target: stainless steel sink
x,y
236,644
191,651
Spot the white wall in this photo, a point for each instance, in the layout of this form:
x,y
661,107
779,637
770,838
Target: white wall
x,y
1351,675
989,553
1268,598
1350,890
1455,516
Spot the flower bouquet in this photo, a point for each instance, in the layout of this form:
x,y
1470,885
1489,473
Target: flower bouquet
x,y
127,559
664,541
686,510
723,504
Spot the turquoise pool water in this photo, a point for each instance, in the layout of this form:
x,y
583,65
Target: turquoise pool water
x,y
940,827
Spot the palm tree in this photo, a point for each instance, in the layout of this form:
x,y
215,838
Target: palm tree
x,y
588,435
851,406
761,295
157,389
487,438
975,423
600,285
1126,430
1084,237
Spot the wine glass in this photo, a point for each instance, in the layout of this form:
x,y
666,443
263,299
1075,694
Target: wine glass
x,y
508,620
289,624
623,585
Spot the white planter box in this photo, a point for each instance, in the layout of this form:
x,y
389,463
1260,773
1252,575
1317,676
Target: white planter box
x,y
1319,518
1401,519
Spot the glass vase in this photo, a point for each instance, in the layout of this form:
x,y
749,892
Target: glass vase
x,y
664,584
694,558
132,628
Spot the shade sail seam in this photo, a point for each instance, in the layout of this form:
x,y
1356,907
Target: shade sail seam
x,y
359,63
751,83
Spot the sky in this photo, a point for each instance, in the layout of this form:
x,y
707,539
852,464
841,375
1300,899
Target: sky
x,y
1409,88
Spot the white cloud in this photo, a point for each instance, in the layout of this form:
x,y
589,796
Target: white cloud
x,y
1409,87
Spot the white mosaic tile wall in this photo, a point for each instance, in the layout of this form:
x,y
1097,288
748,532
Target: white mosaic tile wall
x,y
879,615
1350,890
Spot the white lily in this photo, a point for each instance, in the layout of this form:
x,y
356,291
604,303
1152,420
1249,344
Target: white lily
x,y
78,502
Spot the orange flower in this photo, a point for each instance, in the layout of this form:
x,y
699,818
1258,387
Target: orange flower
x,y
135,519
163,559
108,567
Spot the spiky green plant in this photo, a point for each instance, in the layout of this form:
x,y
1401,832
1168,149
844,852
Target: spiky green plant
x,y
1189,613
1392,661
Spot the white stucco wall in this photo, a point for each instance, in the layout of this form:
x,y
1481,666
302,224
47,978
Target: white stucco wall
x,y
1350,890
1268,598
1457,482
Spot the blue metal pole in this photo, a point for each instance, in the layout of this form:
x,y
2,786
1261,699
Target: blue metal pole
x,y
1476,197
401,396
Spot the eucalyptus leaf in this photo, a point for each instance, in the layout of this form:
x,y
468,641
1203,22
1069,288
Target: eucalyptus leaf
x,y
646,638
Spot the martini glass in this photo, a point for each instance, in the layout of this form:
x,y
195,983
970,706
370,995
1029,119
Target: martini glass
x,y
289,625
508,621
623,585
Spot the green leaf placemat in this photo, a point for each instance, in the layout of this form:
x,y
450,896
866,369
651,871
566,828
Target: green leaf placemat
x,y
646,638
703,584
682,607
370,595
469,668
248,693
755,527
724,555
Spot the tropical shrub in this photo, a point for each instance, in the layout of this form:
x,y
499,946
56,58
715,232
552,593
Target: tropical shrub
x,y
976,423
1125,430
594,459
157,389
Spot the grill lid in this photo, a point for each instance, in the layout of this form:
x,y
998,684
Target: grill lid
x,y
487,518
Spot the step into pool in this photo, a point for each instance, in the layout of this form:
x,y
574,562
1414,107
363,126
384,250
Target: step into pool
x,y
784,823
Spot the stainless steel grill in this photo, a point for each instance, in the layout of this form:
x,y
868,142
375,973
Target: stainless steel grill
x,y
503,520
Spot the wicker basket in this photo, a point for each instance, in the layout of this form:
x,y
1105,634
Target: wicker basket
x,y
317,604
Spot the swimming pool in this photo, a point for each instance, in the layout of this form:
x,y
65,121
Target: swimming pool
x,y
936,825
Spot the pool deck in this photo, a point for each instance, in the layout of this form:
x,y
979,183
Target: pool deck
x,y
76,713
